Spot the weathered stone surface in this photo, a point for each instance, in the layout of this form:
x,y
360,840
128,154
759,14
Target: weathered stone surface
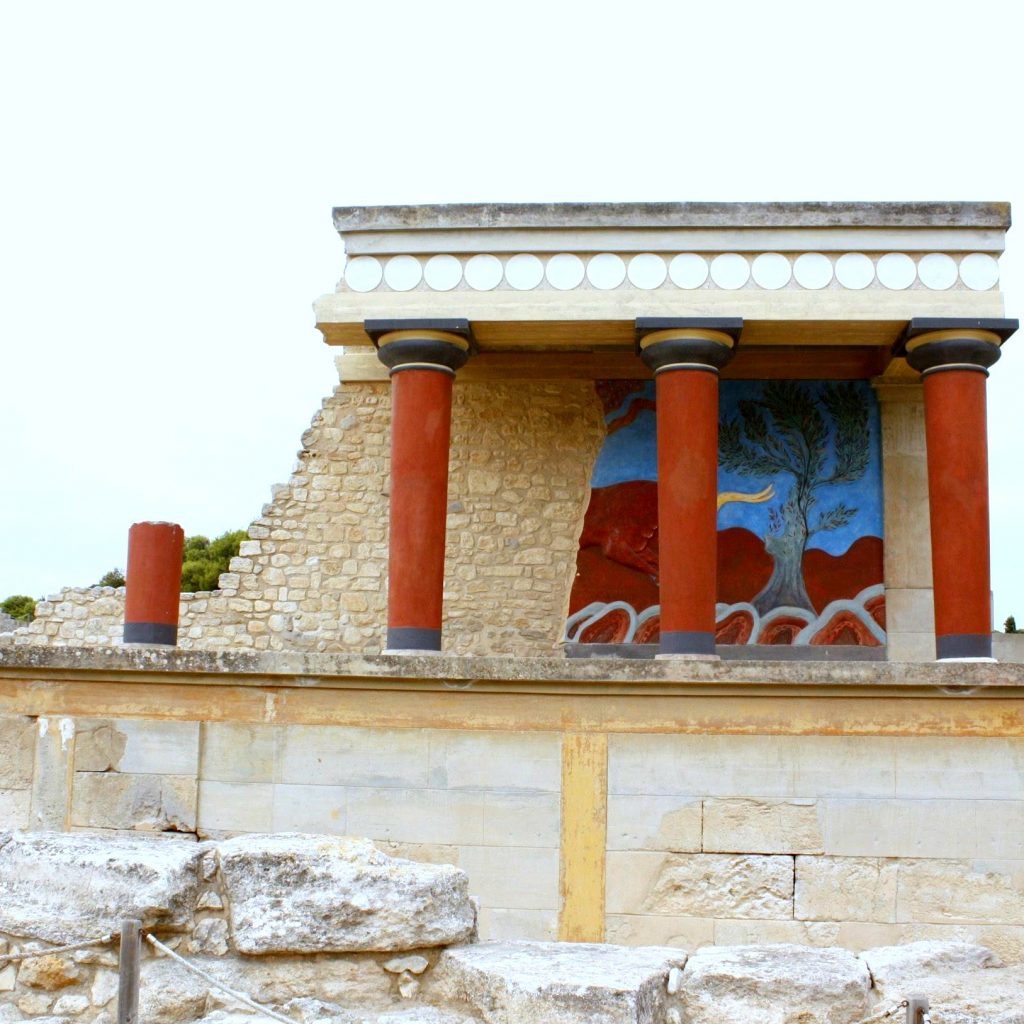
x,y
414,964
97,881
353,980
993,996
48,973
168,994
71,1005
845,889
961,891
158,803
8,977
892,967
17,741
556,983
210,936
774,985
721,885
761,826
343,895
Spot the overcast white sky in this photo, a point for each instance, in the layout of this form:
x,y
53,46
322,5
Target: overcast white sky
x,y
168,173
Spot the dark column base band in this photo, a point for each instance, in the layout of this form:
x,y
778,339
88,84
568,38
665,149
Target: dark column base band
x,y
686,643
412,638
150,633
964,645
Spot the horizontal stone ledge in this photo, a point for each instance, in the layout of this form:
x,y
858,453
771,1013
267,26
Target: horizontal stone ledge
x,y
592,676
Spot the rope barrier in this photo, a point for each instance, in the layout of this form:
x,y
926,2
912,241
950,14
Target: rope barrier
x,y
244,999
86,944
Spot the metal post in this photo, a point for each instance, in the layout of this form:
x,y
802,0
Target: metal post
x,y
917,1010
128,972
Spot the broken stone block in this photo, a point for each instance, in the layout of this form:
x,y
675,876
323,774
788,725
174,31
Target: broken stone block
x,y
48,973
556,983
893,968
343,895
97,881
775,984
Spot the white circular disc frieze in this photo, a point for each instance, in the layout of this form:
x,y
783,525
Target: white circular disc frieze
x,y
524,271
772,270
813,270
896,270
363,273
730,270
442,273
483,272
937,271
606,271
403,273
647,270
855,270
979,271
564,271
688,270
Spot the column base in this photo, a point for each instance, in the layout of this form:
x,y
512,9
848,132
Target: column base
x,y
150,634
412,640
690,643
962,646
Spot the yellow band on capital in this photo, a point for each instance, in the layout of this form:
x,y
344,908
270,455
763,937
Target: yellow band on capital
x,y
687,334
411,335
969,334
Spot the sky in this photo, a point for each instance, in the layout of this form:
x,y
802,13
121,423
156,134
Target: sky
x,y
168,173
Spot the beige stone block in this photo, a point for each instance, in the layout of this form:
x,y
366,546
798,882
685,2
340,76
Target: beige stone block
x,y
497,924
700,885
909,610
118,800
687,933
522,819
338,756
509,762
955,892
660,822
761,826
856,766
99,745
1006,941
235,807
238,752
50,803
845,889
310,809
760,933
14,808
17,741
426,853
968,767
861,935
515,878
416,815
913,648
137,746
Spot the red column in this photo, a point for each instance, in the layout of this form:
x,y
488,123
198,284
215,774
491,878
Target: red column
x,y
954,357
422,361
686,356
153,583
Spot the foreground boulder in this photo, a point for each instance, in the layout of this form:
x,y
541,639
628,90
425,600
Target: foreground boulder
x,y
63,887
893,968
973,997
774,984
293,893
556,983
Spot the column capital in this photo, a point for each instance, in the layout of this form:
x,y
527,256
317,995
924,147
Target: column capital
x,y
934,344
687,343
442,345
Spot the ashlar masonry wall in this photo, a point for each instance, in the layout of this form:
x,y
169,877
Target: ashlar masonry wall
x,y
311,576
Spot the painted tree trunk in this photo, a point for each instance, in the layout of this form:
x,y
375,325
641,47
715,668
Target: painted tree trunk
x,y
786,587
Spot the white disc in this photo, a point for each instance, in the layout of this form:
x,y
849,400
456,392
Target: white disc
x,y
937,271
647,270
772,270
813,270
979,271
483,272
730,270
442,273
363,273
524,272
403,273
564,271
606,271
896,270
855,270
688,270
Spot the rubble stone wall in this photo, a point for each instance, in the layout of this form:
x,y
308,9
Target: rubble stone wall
x,y
312,574
714,839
